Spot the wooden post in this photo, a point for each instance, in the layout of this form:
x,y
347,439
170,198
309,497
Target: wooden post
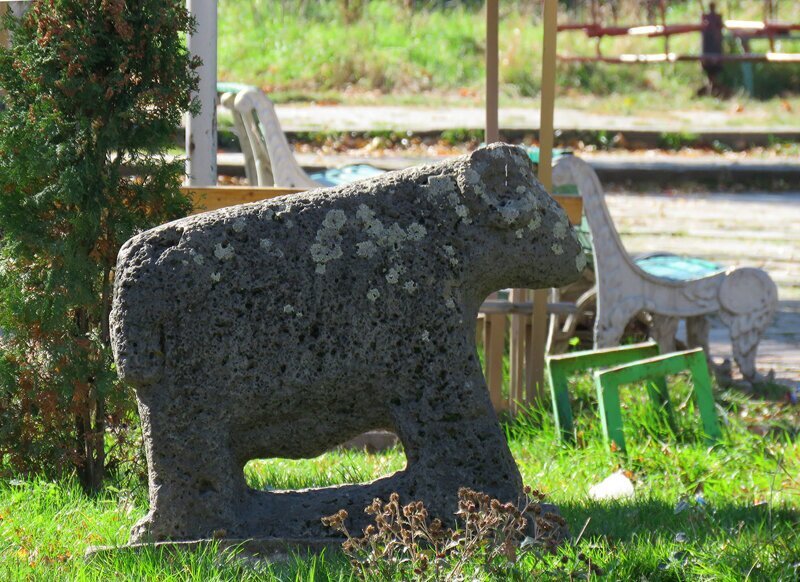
x,y
201,130
494,350
535,368
492,72
516,349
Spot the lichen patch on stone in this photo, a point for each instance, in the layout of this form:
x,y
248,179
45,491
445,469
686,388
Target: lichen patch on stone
x,y
366,249
393,276
416,231
328,245
560,229
535,222
224,252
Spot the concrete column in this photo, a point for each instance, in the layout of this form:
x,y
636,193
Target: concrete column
x,y
201,130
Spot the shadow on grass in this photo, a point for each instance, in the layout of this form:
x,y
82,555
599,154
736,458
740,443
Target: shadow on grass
x,y
623,520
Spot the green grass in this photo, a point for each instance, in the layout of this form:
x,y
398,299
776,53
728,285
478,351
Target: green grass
x,y
746,524
435,54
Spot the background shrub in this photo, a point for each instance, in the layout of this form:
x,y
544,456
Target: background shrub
x,y
89,85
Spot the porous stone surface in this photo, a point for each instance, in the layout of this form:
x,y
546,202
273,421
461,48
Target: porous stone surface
x,y
285,327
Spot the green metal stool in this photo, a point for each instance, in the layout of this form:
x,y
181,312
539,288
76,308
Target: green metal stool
x,y
607,383
560,367
624,365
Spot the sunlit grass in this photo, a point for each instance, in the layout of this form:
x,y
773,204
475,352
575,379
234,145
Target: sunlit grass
x,y
699,512
293,49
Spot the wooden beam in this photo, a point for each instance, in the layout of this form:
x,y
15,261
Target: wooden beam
x,y
492,72
538,337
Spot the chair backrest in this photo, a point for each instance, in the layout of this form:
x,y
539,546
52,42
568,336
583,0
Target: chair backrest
x,y
609,253
272,153
250,171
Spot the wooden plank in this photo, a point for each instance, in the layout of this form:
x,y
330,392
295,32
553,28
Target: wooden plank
x,y
215,197
493,306
573,205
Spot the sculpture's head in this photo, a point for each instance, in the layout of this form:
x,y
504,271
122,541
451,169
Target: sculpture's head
x,y
527,241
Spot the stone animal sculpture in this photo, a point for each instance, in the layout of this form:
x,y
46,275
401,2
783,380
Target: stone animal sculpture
x,y
285,327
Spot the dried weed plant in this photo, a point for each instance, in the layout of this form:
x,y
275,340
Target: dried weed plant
x,y
404,543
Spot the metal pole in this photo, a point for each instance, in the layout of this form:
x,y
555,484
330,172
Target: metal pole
x,y
535,377
201,130
492,71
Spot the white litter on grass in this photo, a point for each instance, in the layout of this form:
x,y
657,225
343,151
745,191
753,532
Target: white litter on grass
x,y
615,486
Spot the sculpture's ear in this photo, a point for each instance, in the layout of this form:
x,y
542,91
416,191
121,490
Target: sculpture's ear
x,y
497,182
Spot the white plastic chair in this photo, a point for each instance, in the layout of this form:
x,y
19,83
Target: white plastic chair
x,y
275,164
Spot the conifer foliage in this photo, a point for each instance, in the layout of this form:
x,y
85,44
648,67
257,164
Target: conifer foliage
x,y
89,88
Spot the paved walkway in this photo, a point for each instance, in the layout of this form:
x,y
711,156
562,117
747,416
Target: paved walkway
x,y
295,117
758,230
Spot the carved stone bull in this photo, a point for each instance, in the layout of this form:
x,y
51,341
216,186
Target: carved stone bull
x,y
282,328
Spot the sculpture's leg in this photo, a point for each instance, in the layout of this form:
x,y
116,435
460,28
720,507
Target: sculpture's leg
x,y
194,479
663,331
452,439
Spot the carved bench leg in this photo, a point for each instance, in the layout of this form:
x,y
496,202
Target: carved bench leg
x,y
610,322
745,348
697,329
663,331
